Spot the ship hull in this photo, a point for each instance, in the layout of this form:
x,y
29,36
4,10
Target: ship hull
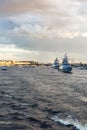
x,y
55,66
65,68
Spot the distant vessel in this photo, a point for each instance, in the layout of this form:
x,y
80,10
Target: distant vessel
x,y
65,66
4,68
82,68
56,64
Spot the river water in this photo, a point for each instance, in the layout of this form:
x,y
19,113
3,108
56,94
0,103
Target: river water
x,y
38,98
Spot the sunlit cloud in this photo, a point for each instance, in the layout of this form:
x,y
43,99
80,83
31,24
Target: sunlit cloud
x,y
10,52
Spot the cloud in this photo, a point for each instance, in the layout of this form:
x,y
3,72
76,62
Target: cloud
x,y
25,48
46,32
44,19
22,6
60,8
12,52
37,27
49,45
43,27
4,40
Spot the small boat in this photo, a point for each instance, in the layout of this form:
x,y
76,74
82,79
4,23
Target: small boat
x,y
5,68
65,66
56,64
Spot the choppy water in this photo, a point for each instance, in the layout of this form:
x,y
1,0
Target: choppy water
x,y
31,98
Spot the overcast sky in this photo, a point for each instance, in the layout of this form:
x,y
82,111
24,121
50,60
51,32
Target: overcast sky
x,y
43,30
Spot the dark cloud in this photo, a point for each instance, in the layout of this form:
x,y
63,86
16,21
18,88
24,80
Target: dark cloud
x,y
47,45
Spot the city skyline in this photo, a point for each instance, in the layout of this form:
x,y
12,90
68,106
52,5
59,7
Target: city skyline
x,y
43,30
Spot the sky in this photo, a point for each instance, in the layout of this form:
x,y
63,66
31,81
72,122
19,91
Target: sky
x,y
43,30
